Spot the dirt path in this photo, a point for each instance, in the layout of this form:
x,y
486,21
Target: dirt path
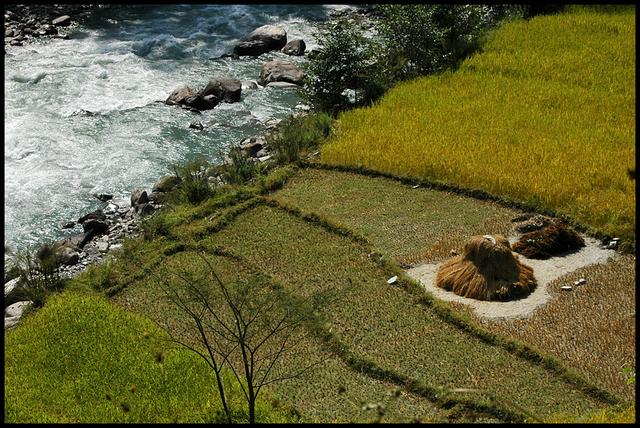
x,y
545,271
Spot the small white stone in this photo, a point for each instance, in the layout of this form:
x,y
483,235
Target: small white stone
x,y
103,246
16,309
581,281
392,280
566,288
415,187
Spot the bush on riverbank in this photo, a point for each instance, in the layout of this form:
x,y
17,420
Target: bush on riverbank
x,y
299,134
352,69
39,274
194,183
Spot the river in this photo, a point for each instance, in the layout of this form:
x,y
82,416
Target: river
x,y
117,65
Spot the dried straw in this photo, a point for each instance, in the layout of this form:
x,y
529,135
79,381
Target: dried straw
x,y
487,270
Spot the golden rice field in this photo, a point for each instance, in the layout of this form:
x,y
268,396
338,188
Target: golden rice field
x,y
544,115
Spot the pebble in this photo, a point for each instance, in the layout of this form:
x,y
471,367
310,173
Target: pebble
x,y
16,309
566,288
392,280
581,281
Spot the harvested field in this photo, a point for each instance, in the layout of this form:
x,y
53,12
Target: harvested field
x,y
410,225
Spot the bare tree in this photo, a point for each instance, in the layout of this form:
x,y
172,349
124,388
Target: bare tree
x,y
247,326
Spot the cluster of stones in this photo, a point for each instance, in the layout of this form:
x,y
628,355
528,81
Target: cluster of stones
x,y
23,23
103,231
279,72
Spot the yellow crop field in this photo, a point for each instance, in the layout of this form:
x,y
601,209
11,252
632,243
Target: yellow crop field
x,y
545,114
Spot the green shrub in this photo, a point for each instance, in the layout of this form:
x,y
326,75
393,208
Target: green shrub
x,y
429,38
351,69
39,273
344,61
240,169
298,133
100,277
156,225
194,181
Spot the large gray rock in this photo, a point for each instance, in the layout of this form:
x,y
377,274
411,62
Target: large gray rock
x,y
62,21
95,227
68,256
166,184
263,39
75,242
280,70
253,145
144,209
224,88
200,102
180,95
94,215
10,322
295,47
286,85
139,196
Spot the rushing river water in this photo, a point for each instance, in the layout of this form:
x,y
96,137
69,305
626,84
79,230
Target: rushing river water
x,y
117,65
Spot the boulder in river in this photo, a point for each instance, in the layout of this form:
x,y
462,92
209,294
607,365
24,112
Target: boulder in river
x,y
94,215
62,21
280,70
261,40
202,103
224,88
180,95
295,47
95,227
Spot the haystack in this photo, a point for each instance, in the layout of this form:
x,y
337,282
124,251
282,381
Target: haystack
x,y
487,270
552,240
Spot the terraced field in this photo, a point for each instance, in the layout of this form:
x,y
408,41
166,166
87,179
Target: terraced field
x,y
399,340
380,351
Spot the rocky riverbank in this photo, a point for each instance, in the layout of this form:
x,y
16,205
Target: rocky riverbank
x,y
104,230
23,23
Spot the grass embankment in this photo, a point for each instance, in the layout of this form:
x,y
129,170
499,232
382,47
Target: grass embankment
x,y
82,359
544,115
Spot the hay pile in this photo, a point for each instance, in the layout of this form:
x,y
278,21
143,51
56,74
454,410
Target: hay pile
x,y
487,270
549,241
